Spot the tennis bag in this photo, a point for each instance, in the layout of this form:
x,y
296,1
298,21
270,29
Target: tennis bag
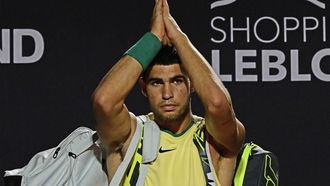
x,y
256,167
79,159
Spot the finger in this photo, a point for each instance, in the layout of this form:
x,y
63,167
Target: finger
x,y
166,8
158,6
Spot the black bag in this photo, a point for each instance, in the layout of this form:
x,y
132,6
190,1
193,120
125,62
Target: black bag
x,y
256,167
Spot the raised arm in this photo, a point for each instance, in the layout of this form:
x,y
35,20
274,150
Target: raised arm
x,y
221,123
114,124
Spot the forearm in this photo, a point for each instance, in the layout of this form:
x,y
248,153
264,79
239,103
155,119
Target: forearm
x,y
117,83
220,118
205,81
113,122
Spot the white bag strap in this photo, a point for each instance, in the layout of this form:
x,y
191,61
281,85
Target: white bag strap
x,y
150,147
117,178
151,144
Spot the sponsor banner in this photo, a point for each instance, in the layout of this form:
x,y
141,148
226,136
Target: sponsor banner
x,y
270,41
13,52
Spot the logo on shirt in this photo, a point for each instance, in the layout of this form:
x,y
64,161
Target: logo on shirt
x,y
161,150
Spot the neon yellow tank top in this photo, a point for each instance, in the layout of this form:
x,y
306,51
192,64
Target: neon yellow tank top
x,y
178,161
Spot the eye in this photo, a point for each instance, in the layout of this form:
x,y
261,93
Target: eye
x,y
178,81
155,83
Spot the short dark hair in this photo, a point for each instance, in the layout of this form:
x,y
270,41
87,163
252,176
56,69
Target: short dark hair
x,y
166,56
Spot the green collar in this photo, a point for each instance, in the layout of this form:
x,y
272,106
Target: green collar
x,y
181,133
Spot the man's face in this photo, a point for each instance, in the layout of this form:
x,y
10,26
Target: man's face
x,y
168,92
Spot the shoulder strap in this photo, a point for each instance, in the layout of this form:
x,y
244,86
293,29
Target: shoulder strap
x,y
120,173
150,146
145,153
243,161
200,143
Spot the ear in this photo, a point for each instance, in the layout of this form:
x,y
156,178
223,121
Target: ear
x,y
143,86
192,90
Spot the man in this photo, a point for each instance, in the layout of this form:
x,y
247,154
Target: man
x,y
168,86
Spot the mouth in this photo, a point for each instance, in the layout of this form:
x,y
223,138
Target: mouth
x,y
168,107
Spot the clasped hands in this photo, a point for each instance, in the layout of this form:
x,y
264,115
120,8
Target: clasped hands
x,y
164,26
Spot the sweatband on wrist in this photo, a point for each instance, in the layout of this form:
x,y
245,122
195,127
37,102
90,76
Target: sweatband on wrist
x,y
145,49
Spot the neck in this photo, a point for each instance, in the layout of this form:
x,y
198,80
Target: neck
x,y
175,126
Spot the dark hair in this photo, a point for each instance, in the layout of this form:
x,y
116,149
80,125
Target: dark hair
x,y
166,56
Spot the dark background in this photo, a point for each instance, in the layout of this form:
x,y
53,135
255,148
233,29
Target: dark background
x,y
42,102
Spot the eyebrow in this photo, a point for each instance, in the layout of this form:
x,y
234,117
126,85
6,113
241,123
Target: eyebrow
x,y
160,79
178,77
153,79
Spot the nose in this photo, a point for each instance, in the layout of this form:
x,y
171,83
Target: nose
x,y
167,92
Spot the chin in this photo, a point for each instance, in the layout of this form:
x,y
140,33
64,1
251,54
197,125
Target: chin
x,y
173,116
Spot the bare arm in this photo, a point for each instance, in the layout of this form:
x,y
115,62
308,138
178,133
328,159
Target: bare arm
x,y
113,121
220,119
